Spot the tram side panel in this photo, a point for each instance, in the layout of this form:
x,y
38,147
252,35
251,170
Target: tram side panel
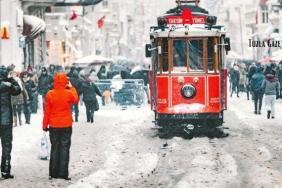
x,y
162,94
214,96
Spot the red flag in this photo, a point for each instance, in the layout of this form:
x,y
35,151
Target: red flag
x,y
101,22
263,2
73,16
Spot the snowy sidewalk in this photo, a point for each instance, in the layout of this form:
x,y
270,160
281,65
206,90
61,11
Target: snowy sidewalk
x,y
244,109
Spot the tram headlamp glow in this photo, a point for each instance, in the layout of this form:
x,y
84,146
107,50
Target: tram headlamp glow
x,y
188,91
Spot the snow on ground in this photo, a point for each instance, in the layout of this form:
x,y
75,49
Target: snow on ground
x,y
244,109
121,150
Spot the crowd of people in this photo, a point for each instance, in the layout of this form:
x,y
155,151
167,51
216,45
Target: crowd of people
x,y
257,81
35,84
60,92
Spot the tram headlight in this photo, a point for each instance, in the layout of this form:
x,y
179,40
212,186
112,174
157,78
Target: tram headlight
x,y
188,91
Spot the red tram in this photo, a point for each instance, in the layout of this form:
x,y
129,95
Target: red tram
x,y
188,77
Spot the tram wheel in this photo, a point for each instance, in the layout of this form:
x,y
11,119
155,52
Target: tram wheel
x,y
215,129
165,133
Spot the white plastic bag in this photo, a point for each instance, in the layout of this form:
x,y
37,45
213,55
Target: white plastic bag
x,y
44,147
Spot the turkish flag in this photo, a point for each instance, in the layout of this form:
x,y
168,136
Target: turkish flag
x,y
73,16
101,22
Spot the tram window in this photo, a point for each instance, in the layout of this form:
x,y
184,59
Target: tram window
x,y
155,60
165,54
196,54
210,54
179,53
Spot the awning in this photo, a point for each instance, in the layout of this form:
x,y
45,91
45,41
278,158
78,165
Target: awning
x,y
76,2
32,26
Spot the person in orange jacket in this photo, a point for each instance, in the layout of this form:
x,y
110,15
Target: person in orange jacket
x,y
58,121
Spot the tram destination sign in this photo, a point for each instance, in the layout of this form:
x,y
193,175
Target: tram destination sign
x,y
185,18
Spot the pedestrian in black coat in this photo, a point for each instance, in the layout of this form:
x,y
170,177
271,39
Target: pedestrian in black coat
x,y
45,83
255,84
76,82
251,71
89,92
8,87
279,74
31,88
102,74
235,78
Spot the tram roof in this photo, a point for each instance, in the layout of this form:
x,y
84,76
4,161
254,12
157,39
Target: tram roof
x,y
190,31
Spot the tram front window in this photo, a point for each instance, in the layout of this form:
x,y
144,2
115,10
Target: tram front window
x,y
179,53
210,54
165,55
195,54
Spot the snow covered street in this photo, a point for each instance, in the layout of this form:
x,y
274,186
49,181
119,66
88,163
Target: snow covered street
x,y
121,150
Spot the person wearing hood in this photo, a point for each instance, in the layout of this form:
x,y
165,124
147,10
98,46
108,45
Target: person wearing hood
x,y
271,87
89,91
8,87
255,84
58,120
45,83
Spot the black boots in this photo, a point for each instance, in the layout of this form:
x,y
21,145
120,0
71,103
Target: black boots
x,y
7,175
91,120
268,114
65,178
5,169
